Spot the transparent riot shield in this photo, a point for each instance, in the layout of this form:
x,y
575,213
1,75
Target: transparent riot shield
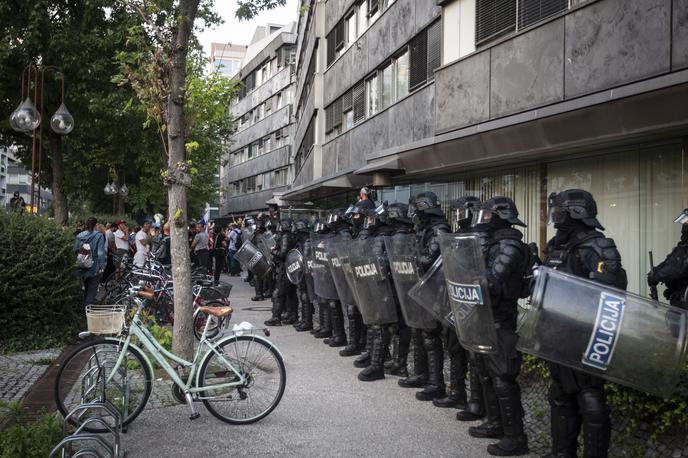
x,y
295,266
344,290
247,234
323,284
467,288
430,293
251,258
373,284
266,242
402,252
604,331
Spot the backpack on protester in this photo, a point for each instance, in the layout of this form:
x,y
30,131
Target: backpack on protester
x,y
84,258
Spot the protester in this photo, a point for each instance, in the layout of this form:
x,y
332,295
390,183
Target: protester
x,y
142,245
234,234
121,241
199,246
91,258
164,251
219,251
17,203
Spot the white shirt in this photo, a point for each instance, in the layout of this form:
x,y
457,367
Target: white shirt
x,y
119,243
141,249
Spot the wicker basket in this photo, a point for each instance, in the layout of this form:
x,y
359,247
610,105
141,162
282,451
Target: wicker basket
x,y
105,319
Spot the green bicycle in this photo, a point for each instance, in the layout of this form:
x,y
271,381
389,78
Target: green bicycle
x,y
239,378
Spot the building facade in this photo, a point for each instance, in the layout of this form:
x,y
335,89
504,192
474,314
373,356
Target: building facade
x,y
498,97
258,163
15,178
227,57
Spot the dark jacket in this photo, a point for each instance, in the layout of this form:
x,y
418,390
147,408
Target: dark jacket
x,y
506,264
427,238
163,252
673,272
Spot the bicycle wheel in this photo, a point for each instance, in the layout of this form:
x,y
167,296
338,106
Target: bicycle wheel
x,y
201,318
265,374
81,379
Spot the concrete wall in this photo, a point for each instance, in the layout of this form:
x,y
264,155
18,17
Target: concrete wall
x,y
305,175
395,27
599,46
269,161
266,90
271,123
248,202
402,123
269,51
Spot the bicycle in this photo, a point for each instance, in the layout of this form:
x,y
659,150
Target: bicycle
x,y
239,378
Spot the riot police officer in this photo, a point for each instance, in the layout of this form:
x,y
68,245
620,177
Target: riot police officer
x,y
324,328
378,334
428,354
673,271
305,288
260,282
580,248
462,218
401,224
506,262
284,294
338,338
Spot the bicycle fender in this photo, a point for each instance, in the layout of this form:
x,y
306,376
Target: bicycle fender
x,y
219,343
143,353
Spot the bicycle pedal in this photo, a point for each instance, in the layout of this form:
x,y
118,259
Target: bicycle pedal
x,y
194,416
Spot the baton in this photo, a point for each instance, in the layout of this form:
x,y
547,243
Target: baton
x,y
653,289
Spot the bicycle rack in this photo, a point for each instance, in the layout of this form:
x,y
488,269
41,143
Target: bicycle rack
x,y
83,442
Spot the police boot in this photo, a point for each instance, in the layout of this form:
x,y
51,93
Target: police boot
x,y
326,323
456,396
321,317
376,370
492,428
419,378
338,338
565,426
291,308
306,316
277,308
514,442
475,408
435,387
596,424
352,349
364,359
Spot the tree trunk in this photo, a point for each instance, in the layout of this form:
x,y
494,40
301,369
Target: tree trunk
x,y
59,198
182,339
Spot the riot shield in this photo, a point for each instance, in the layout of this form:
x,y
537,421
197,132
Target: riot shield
x,y
322,277
430,293
604,331
250,257
247,234
401,252
374,290
342,249
344,291
467,288
266,242
295,266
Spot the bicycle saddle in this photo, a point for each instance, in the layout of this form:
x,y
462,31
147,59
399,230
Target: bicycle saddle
x,y
219,312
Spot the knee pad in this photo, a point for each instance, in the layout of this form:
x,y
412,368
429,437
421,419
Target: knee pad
x,y
505,386
593,407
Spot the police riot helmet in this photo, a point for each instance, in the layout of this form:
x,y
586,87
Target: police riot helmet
x,y
301,225
355,215
576,203
376,217
398,213
500,207
682,218
336,217
426,203
464,208
286,225
321,227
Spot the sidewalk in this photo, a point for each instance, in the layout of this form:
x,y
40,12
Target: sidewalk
x,y
325,411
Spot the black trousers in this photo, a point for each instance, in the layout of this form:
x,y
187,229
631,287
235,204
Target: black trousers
x,y
219,265
91,289
202,258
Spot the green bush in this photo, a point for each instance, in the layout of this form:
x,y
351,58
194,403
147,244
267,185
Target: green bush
x,y
30,439
40,298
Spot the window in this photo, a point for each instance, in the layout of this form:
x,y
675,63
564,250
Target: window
x,y
351,28
372,95
402,75
348,110
280,177
279,100
268,105
434,48
373,7
359,102
388,92
419,60
495,18
362,18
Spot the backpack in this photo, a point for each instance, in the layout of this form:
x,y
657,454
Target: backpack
x,y
84,258
532,261
239,241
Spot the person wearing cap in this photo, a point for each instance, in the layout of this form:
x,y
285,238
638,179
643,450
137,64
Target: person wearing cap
x,y
673,271
17,203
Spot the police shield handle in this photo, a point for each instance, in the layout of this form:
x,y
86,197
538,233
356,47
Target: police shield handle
x,y
653,288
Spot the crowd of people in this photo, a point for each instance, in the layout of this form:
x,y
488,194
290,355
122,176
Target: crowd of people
x,y
579,248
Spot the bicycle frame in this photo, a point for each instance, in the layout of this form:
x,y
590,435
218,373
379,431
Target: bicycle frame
x,y
161,355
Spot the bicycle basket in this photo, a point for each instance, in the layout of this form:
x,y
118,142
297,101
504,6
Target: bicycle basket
x,y
105,319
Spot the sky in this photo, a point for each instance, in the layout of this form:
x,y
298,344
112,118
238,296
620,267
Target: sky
x,y
240,33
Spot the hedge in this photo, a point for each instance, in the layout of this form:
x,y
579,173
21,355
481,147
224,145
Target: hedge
x,y
40,298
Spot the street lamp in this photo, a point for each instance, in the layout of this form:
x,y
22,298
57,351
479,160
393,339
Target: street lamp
x,y
27,118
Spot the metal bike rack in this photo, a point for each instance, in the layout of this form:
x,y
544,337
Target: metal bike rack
x,y
83,442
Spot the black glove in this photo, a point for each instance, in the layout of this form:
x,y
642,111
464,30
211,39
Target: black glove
x,y
651,280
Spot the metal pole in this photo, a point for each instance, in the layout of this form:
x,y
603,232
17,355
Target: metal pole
x,y
33,140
